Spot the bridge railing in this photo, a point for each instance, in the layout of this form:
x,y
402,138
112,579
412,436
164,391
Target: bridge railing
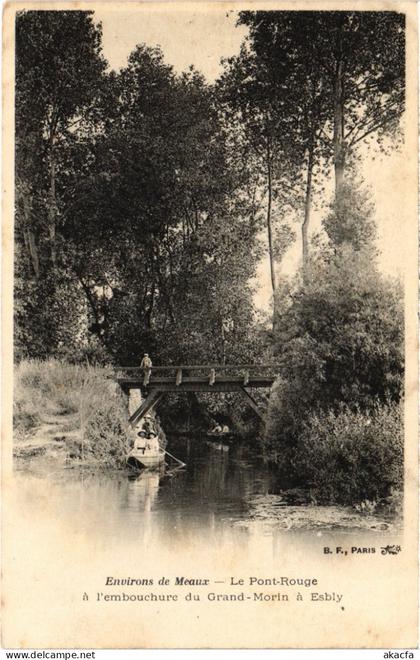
x,y
196,368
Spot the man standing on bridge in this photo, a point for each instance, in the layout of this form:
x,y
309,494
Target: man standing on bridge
x,y
146,365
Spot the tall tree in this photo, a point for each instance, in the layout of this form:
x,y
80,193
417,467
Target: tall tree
x,y
358,57
59,69
252,108
339,75
158,181
368,89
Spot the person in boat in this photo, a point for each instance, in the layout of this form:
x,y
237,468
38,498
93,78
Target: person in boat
x,y
148,428
225,429
141,441
146,365
152,445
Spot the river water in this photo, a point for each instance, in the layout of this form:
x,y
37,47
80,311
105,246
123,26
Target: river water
x,y
219,492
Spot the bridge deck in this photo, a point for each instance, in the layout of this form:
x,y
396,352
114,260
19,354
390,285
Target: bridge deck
x,y
197,378
199,383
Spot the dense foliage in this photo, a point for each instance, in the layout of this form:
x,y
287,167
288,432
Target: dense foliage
x,y
351,456
339,339
129,210
132,188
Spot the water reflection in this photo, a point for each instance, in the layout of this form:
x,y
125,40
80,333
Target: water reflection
x,y
142,491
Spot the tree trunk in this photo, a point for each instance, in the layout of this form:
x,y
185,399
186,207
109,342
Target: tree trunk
x,y
29,235
92,304
269,227
33,251
338,139
307,216
52,205
151,303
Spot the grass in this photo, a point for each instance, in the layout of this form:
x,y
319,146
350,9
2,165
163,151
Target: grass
x,y
80,400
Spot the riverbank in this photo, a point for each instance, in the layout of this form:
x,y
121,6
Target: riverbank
x,y
69,413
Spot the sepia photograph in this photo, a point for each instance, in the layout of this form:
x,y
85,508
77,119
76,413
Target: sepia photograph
x,y
212,288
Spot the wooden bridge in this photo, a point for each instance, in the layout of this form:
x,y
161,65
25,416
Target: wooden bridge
x,y
197,378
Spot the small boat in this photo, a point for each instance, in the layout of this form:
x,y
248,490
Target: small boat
x,y
218,434
225,436
139,459
146,451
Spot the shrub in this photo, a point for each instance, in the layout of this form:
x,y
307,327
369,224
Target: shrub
x,y
105,434
350,457
339,329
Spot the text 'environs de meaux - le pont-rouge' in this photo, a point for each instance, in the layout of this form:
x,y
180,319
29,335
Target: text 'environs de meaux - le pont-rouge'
x,y
180,581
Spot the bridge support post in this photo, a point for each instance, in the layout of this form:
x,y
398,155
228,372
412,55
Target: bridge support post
x,y
254,405
151,400
135,399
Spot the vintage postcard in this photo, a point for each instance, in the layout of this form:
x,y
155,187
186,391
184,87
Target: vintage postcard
x,y
210,350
